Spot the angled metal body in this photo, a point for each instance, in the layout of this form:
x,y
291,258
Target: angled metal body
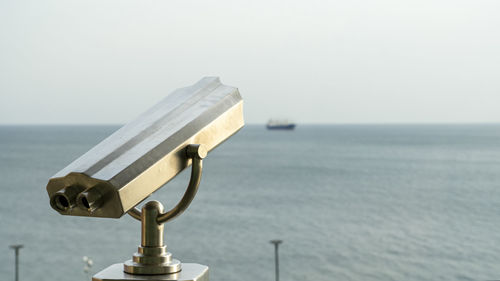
x,y
125,168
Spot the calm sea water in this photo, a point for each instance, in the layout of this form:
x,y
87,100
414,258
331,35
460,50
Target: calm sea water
x,y
350,202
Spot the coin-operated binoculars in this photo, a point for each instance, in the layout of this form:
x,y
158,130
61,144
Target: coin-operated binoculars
x,y
124,169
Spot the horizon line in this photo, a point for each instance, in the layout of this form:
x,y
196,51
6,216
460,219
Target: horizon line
x,y
263,124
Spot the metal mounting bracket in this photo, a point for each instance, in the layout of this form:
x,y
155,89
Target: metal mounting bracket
x,y
152,256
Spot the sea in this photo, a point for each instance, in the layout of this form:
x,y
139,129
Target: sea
x,y
349,202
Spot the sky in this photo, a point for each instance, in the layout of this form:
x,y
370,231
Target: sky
x,y
374,61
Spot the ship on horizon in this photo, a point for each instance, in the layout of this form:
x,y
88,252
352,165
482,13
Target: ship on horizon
x,y
280,125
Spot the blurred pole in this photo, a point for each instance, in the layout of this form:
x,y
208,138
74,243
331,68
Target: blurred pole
x,y
276,257
16,249
88,264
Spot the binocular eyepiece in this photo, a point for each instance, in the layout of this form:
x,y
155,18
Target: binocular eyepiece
x,y
65,199
139,158
76,196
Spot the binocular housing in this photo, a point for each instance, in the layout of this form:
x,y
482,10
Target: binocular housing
x,y
139,158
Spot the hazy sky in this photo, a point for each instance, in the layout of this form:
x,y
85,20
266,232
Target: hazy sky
x,y
106,61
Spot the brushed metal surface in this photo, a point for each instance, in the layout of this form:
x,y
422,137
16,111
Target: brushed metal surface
x,y
143,155
152,256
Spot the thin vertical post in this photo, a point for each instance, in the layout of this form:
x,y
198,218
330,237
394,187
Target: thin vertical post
x,y
16,249
276,258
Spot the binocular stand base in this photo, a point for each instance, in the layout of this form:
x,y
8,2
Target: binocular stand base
x,y
152,261
189,272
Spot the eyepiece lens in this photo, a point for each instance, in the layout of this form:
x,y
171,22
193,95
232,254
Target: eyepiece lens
x,y
85,202
61,203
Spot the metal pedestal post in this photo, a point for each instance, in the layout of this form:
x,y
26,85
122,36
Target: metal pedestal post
x,y
152,261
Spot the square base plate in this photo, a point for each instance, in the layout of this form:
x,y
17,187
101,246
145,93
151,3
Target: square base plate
x,y
189,272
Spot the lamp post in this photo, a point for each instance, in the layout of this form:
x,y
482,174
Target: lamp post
x,y
16,249
276,257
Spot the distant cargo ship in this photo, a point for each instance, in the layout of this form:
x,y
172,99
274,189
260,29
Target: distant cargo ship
x,y
280,125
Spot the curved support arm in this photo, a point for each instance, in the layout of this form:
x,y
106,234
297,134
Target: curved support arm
x,y
196,152
191,190
135,213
